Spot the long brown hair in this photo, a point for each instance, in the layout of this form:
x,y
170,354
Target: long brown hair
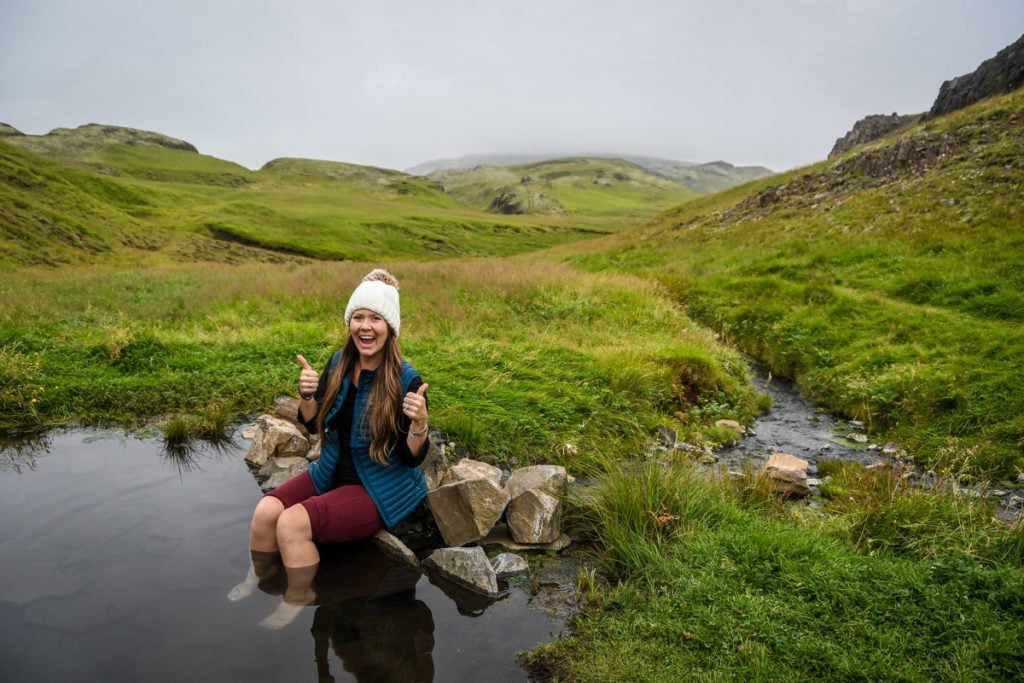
x,y
385,395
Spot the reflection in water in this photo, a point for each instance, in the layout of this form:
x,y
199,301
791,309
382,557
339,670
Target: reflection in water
x,y
120,564
187,456
18,453
368,611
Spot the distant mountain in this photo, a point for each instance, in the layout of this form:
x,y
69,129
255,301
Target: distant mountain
x,y
702,178
575,185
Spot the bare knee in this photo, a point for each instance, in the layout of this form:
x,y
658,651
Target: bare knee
x,y
293,526
267,512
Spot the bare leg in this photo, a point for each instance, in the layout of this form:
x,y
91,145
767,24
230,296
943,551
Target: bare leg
x,y
263,532
298,594
295,538
262,571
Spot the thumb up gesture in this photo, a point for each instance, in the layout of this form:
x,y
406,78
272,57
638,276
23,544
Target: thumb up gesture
x,y
308,379
414,405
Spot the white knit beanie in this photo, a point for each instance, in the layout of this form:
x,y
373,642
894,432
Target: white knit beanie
x,y
377,292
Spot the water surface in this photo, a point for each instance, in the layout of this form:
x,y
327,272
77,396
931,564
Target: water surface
x,y
117,559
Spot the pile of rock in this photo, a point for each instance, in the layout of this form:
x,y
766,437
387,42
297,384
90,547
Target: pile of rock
x,y
471,502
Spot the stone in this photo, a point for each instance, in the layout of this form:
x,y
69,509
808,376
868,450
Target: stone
x,y
550,478
856,424
500,536
731,425
535,517
509,564
467,469
314,448
467,567
292,465
287,408
434,466
466,510
249,433
393,547
1015,502
1020,478
275,438
788,474
859,438
666,435
278,478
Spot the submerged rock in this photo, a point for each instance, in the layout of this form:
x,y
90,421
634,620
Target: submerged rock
x,y
501,537
467,567
509,564
393,547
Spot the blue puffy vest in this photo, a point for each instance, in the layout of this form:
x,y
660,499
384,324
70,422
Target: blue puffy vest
x,y
396,490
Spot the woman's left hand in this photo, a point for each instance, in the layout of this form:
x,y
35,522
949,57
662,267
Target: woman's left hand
x,y
414,405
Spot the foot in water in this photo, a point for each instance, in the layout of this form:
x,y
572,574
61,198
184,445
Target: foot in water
x,y
244,589
282,616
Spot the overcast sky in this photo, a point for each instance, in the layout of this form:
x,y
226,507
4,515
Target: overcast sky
x,y
394,83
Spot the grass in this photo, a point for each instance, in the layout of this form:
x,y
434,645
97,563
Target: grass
x,y
709,588
892,293
526,362
109,204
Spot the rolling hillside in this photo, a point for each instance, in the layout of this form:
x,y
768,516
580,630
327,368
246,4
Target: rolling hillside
x,y
888,281
118,194
705,178
574,186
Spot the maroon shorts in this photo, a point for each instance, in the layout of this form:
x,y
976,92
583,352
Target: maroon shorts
x,y
346,513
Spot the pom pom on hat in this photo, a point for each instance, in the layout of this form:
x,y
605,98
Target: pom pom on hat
x,y
377,292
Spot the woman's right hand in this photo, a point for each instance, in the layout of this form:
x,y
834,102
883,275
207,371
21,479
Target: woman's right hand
x,y
308,378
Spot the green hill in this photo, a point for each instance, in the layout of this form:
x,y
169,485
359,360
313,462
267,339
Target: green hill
x,y
575,186
120,194
888,281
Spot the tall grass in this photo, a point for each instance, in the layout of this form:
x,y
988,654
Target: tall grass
x,y
710,589
525,361
893,295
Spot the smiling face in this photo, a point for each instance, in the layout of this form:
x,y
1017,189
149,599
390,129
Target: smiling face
x,y
369,332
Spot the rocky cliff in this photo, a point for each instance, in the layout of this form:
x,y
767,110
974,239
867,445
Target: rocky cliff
x,y
1002,74
871,128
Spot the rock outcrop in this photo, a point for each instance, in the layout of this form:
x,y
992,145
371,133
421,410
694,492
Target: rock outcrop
x,y
872,128
1001,74
7,130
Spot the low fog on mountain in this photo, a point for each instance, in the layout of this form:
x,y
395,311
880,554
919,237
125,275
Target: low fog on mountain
x,y
396,84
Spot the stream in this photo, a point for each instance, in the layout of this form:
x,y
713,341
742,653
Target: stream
x,y
118,558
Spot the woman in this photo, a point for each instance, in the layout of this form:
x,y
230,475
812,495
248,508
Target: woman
x,y
370,409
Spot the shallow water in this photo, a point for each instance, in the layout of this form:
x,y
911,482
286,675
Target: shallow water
x,y
795,426
117,559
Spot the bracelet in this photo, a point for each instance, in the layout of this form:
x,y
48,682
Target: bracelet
x,y
421,432
307,397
